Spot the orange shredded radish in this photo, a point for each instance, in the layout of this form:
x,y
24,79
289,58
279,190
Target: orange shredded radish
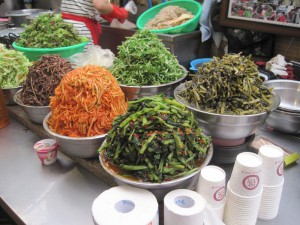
x,y
86,102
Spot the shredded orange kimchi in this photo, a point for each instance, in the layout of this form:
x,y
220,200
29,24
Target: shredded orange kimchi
x,y
86,102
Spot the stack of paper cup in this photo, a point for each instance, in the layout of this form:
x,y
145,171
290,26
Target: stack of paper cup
x,y
273,181
244,190
125,205
211,186
183,206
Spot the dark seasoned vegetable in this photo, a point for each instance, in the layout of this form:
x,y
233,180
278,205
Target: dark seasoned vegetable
x,y
228,85
49,31
156,140
144,60
43,77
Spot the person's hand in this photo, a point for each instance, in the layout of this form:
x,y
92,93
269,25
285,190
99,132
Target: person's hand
x,y
118,13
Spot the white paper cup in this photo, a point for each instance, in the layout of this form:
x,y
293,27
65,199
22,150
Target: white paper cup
x,y
239,209
211,185
245,178
245,201
218,211
270,201
272,157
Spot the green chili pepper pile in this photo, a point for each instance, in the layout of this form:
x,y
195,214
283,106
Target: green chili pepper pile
x,y
14,67
144,60
230,85
49,31
156,140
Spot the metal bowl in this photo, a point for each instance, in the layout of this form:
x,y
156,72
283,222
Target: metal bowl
x,y
134,92
289,93
9,94
78,147
18,17
35,113
284,121
228,126
160,189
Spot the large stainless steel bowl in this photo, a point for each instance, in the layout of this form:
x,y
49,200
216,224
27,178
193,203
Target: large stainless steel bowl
x,y
284,121
160,189
289,93
35,113
78,147
229,127
18,17
9,94
134,92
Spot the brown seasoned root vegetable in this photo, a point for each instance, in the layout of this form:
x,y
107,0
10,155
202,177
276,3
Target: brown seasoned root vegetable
x,y
43,77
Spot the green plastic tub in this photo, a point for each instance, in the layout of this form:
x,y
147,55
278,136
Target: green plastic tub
x,y
34,54
194,7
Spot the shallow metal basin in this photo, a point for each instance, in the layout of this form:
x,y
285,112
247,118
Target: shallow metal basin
x,y
161,189
283,121
35,113
78,147
229,127
289,93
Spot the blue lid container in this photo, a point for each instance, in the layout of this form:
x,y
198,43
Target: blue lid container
x,y
197,62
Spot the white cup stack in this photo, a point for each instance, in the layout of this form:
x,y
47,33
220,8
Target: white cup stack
x,y
273,181
244,190
211,186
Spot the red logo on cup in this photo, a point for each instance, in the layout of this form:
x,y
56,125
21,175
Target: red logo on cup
x,y
280,169
251,182
219,194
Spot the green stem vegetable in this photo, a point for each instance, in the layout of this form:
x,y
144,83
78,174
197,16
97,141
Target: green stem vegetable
x,y
155,145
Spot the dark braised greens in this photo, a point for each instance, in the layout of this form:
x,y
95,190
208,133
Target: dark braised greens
x,y
156,140
227,85
144,60
49,31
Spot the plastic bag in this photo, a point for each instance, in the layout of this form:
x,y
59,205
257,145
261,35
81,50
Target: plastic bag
x,y
125,25
93,55
131,7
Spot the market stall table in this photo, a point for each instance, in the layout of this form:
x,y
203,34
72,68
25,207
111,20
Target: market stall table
x,y
63,193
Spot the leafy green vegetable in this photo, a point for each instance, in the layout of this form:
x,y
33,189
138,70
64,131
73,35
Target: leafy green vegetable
x,y
228,85
144,60
14,67
49,31
156,140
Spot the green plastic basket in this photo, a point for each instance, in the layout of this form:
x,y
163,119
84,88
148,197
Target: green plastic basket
x,y
34,54
194,7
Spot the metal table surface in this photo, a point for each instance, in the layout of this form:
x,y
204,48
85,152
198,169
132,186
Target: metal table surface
x,y
63,193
